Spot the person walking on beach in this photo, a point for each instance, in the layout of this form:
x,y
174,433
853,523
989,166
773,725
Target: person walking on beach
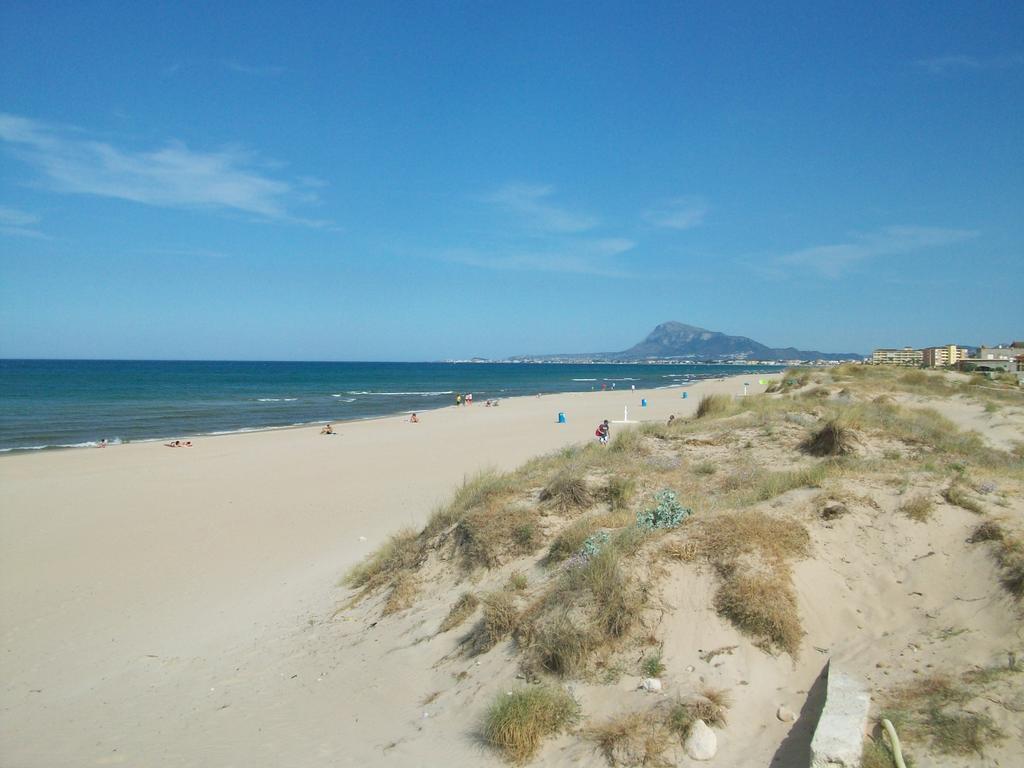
x,y
603,431
458,399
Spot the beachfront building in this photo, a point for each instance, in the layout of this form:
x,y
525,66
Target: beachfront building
x,y
905,356
1002,353
937,357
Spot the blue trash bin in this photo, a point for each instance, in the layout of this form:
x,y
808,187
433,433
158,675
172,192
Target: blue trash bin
x,y
561,417
643,403
684,395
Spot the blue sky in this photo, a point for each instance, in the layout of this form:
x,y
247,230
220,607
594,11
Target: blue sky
x,y
421,181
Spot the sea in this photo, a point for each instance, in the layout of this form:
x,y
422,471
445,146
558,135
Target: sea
x,y
59,404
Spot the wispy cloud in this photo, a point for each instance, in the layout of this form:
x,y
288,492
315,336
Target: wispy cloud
x,y
679,213
582,257
252,69
939,65
172,176
835,259
18,223
532,202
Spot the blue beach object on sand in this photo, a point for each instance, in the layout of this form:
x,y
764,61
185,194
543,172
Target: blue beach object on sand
x,y
685,395
561,417
643,402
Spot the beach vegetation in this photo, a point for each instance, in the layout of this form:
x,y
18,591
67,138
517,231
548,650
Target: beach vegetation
x,y
833,439
570,539
936,710
567,491
461,610
762,604
480,489
404,589
653,665
712,406
487,535
517,582
517,721
500,617
633,738
918,508
958,496
620,492
401,552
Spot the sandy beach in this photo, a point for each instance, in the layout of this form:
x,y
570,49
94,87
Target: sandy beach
x,y
172,606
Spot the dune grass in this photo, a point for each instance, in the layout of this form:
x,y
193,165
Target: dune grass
x,y
713,406
461,610
762,604
401,552
500,618
478,490
403,592
560,647
958,496
567,491
517,722
918,508
936,709
766,485
633,738
833,439
487,535
620,492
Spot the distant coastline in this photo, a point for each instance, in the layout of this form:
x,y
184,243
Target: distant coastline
x,y
59,404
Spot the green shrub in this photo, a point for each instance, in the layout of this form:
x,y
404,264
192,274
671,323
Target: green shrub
x,y
668,513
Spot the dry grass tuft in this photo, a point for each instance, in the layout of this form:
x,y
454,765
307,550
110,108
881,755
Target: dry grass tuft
x,y
487,535
498,621
711,706
570,539
990,530
936,709
713,405
635,738
483,488
834,439
918,508
516,722
763,486
559,647
877,755
567,490
956,495
403,591
762,604
461,610
728,536
620,492
401,552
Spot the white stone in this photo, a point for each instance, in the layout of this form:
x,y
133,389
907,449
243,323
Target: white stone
x,y
701,743
785,714
651,684
839,737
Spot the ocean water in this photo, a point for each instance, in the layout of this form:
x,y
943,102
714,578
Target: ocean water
x,y
74,403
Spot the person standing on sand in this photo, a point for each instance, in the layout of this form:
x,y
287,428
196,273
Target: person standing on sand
x,y
458,399
603,431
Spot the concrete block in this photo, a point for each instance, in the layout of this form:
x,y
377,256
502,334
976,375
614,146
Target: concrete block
x,y
839,737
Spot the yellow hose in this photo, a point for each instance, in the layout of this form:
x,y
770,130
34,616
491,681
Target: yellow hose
x,y
894,740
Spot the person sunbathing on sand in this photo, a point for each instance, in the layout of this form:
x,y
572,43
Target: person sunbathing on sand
x,y
328,430
175,444
414,419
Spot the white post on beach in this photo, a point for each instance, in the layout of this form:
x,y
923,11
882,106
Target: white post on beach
x,y
625,413
745,385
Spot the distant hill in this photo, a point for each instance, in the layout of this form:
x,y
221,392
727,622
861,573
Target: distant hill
x,y
674,340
